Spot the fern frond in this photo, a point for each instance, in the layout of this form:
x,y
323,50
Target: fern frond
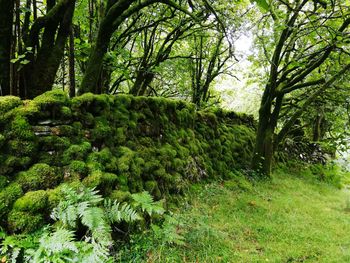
x,y
145,201
117,212
94,218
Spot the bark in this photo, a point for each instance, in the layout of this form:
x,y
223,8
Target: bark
x,y
71,64
41,72
6,21
263,151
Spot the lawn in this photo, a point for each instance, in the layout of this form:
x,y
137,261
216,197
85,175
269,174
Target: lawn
x,y
288,219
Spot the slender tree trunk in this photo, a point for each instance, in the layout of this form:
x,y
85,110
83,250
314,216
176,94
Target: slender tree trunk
x,y
6,21
71,64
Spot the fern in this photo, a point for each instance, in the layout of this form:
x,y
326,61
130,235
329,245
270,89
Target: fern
x,y
169,232
117,212
75,205
95,219
56,247
145,201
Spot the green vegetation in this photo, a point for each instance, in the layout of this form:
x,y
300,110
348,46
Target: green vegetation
x,y
291,218
118,145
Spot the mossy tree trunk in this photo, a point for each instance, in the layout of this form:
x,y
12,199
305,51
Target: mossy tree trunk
x,y
6,21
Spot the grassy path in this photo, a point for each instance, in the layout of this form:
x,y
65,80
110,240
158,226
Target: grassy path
x,y
286,220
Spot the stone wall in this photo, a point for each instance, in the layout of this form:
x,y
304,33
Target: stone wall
x,y
118,144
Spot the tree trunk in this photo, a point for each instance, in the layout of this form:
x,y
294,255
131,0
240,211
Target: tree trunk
x,y
6,21
94,66
41,75
71,64
264,144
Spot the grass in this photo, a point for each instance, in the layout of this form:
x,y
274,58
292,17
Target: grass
x,y
287,219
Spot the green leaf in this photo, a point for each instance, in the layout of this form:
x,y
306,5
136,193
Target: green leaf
x,y
263,4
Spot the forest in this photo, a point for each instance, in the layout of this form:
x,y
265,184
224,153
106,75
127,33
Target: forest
x,y
174,130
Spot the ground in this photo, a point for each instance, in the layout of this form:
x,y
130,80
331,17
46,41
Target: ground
x,y
288,219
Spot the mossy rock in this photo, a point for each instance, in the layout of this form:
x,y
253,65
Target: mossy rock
x,y
95,104
105,182
7,197
8,103
33,201
24,222
78,167
22,148
76,152
153,189
120,196
39,176
21,129
52,98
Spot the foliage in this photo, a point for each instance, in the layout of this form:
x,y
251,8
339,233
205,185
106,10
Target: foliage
x,y
79,207
288,218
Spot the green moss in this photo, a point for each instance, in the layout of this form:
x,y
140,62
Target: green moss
x,y
55,195
22,148
78,167
53,143
88,102
120,196
7,197
101,180
152,188
52,98
76,152
7,103
39,176
21,129
102,129
3,181
66,112
24,222
34,201
2,140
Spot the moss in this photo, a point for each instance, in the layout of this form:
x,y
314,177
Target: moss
x,y
2,140
120,196
102,160
3,181
53,143
102,129
101,180
22,148
39,176
66,112
152,188
92,103
51,98
7,197
76,152
24,222
21,129
34,201
7,103
78,167
122,183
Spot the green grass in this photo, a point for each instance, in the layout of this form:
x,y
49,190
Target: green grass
x,y
284,220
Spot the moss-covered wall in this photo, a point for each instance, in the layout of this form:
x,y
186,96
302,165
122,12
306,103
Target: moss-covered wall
x,y
119,144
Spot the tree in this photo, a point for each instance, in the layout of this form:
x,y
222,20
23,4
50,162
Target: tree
x,y
6,21
117,11
305,35
46,42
